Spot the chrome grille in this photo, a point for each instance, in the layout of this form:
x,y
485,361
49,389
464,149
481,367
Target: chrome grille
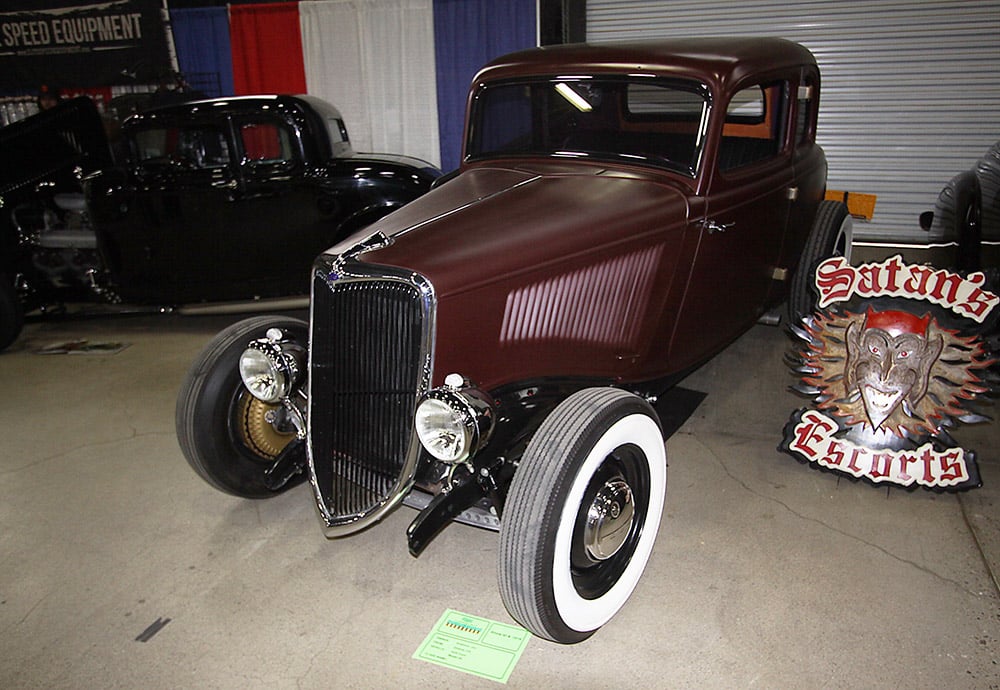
x,y
368,364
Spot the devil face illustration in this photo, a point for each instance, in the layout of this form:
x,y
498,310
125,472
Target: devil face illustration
x,y
890,368
889,361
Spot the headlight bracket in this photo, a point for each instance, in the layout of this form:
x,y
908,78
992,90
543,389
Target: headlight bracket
x,y
272,366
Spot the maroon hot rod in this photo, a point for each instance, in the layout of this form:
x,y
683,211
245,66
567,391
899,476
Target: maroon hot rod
x,y
489,353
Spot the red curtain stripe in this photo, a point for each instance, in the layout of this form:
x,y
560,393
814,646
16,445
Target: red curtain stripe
x,y
267,48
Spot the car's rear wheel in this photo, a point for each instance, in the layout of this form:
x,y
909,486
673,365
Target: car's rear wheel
x,y
582,514
11,313
960,209
829,236
227,436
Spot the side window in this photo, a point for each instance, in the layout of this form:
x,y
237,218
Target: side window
x,y
340,143
338,131
188,147
266,142
755,126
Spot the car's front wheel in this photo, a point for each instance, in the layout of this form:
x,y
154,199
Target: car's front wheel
x,y
582,514
229,437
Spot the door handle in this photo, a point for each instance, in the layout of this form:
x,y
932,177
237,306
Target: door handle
x,y
231,184
714,227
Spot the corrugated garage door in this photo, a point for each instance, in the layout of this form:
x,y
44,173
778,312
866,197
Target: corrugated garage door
x,y
910,90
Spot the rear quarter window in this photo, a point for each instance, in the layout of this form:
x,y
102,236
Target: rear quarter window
x,y
266,142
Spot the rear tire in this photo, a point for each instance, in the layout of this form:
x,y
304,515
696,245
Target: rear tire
x,y
959,209
582,514
829,236
222,430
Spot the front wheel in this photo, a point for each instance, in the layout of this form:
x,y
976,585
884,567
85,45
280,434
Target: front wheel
x,y
582,513
229,437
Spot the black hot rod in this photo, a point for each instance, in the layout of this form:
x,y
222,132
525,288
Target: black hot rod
x,y
227,199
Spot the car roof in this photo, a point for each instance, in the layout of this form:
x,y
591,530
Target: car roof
x,y
215,107
720,61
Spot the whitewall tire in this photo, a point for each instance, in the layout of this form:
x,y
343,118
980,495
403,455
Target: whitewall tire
x,y
582,514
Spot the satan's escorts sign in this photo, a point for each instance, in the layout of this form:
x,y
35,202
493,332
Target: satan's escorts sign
x,y
895,355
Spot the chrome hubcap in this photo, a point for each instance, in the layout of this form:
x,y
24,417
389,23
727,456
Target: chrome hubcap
x,y
609,519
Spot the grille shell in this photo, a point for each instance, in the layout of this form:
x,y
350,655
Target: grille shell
x,y
369,362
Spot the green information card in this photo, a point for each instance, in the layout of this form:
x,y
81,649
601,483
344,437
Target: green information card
x,y
474,645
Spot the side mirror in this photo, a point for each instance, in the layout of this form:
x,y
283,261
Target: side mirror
x,y
926,220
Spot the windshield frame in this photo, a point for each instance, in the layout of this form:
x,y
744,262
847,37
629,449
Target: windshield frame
x,y
475,151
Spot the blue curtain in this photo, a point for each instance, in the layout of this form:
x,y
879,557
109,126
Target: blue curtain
x,y
467,35
201,37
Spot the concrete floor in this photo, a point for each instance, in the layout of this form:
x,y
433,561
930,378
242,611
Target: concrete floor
x,y
766,573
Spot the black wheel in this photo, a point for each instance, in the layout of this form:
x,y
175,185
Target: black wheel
x,y
970,238
582,514
830,235
958,218
225,433
11,313
959,213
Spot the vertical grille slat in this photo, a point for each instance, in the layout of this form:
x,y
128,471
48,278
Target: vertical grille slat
x,y
365,376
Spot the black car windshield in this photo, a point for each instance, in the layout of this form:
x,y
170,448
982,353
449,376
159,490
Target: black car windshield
x,y
639,120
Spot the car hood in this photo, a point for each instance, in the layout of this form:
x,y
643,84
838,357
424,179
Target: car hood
x,y
406,161
492,223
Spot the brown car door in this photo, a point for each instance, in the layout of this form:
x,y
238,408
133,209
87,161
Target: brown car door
x,y
740,238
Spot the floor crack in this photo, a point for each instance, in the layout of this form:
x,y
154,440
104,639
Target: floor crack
x,y
76,449
979,546
854,537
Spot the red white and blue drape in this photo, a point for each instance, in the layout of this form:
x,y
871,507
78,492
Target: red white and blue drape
x,y
398,70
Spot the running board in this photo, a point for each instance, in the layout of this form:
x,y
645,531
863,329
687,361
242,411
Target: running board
x,y
257,305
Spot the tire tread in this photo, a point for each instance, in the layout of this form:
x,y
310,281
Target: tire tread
x,y
521,567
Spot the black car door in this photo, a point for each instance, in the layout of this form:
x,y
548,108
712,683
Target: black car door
x,y
277,224
182,178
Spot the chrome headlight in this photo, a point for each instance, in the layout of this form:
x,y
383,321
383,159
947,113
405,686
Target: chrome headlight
x,y
454,421
270,367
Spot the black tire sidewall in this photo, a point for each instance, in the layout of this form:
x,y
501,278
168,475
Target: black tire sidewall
x,y
967,199
205,411
820,245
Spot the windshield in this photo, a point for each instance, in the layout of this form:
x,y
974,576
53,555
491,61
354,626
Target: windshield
x,y
643,120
